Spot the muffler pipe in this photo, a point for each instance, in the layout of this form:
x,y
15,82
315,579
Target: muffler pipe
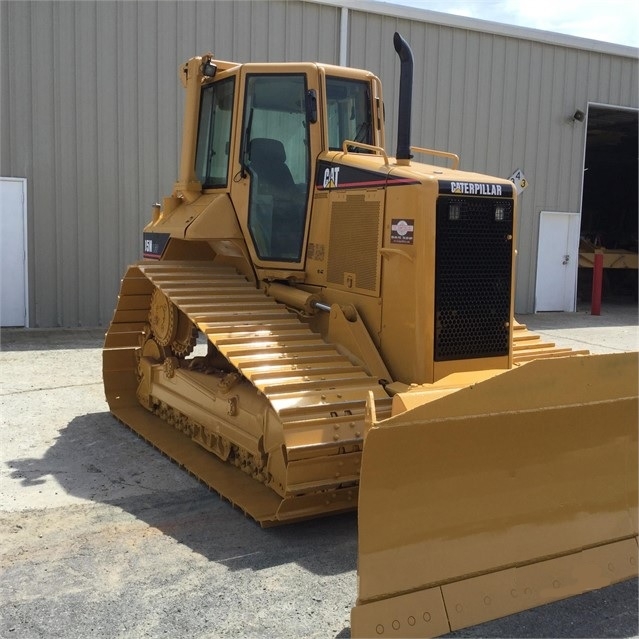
x,y
405,97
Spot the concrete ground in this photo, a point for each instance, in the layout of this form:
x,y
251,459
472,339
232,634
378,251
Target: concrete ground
x,y
102,536
615,330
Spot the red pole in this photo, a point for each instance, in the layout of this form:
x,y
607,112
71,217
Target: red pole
x,y
597,279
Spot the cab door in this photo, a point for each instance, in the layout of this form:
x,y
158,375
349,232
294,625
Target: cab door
x,y
279,132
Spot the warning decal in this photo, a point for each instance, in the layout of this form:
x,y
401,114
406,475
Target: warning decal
x,y
402,231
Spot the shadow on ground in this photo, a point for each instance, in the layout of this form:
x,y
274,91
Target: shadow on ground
x,y
96,458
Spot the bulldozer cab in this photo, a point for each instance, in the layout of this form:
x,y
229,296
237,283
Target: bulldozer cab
x,y
271,128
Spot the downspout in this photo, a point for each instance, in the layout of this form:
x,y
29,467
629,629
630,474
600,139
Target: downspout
x,y
343,38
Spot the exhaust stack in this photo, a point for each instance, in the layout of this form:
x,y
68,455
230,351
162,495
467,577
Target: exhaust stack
x,y
405,98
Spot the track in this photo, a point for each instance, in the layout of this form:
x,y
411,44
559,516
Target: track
x,y
528,346
317,394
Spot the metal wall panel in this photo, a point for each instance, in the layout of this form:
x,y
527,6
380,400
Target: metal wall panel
x,y
501,103
91,115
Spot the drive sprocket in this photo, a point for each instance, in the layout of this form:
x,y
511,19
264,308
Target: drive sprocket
x,y
163,318
185,336
171,327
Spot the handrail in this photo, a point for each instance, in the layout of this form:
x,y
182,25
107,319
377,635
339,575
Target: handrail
x,y
377,149
444,154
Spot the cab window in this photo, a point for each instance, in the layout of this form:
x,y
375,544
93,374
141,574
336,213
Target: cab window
x,y
214,133
349,112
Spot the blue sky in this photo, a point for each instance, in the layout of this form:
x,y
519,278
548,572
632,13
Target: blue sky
x,y
607,20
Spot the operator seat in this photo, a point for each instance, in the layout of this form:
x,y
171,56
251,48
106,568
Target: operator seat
x,y
268,163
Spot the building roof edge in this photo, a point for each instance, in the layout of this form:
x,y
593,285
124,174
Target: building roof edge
x,y
487,26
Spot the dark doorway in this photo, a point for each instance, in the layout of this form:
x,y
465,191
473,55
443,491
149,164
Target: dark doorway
x,y
609,204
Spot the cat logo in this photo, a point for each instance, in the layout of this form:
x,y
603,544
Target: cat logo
x,y
475,188
331,177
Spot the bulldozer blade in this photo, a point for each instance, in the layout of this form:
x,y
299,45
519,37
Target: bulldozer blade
x,y
512,492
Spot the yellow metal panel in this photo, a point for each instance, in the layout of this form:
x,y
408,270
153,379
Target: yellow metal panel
x,y
130,315
122,339
443,369
119,359
306,474
417,614
474,601
534,463
438,610
317,504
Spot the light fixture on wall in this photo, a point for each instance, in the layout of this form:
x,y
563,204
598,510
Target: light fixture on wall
x,y
578,116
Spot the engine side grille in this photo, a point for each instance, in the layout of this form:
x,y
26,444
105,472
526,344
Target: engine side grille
x,y
354,241
473,262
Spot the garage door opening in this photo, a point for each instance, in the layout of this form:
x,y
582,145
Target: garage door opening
x,y
609,204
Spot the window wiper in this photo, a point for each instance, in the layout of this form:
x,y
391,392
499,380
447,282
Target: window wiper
x,y
244,151
361,135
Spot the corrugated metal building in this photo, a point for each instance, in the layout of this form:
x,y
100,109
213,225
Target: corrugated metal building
x,y
91,115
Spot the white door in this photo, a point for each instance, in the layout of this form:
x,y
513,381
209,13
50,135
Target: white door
x,y
13,253
557,258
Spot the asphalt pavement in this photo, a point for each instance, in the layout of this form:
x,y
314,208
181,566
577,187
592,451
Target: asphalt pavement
x,y
102,536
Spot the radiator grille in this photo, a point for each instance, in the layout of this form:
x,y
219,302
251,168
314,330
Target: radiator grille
x,y
473,277
354,241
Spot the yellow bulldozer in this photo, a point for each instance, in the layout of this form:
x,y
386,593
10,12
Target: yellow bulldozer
x,y
317,326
